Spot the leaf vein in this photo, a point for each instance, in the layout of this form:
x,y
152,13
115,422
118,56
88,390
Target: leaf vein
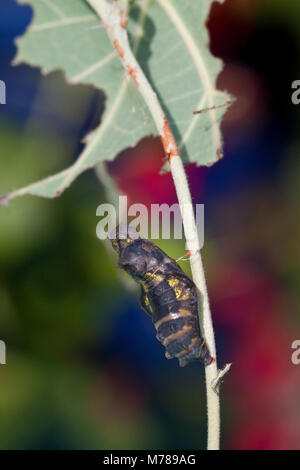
x,y
62,22
98,65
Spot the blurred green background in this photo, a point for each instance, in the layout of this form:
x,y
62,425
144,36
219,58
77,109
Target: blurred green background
x,y
84,369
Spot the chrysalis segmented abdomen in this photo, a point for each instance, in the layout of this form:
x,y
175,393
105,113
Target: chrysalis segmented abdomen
x,y
175,316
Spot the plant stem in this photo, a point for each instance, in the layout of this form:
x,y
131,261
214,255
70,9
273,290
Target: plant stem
x,y
113,20
211,371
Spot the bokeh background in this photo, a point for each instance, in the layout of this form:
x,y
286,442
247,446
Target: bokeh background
x,y
84,369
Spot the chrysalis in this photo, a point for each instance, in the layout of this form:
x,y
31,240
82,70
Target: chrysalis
x,y
168,295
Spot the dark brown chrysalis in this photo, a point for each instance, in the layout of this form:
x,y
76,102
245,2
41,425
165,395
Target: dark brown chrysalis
x,y
168,295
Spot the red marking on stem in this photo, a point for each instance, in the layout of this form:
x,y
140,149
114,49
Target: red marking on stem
x,y
133,73
124,20
188,253
118,48
168,140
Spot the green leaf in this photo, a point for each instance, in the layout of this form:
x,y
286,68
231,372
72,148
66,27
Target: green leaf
x,y
170,40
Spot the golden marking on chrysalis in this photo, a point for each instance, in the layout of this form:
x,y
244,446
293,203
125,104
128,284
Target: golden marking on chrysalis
x,y
177,335
185,296
172,316
156,277
179,291
147,303
173,282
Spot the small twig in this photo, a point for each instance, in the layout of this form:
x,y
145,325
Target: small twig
x,y
218,380
217,106
113,19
